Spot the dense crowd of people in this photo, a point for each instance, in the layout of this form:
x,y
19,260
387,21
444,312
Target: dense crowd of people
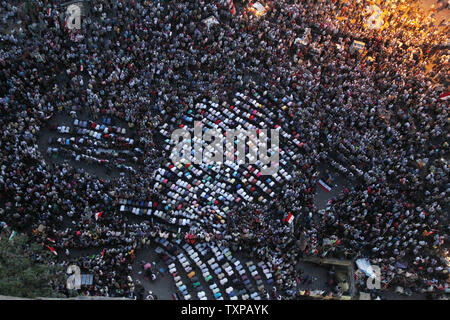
x,y
375,117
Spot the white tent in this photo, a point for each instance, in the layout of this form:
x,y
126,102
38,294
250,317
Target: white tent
x,y
365,266
210,21
259,7
374,21
87,279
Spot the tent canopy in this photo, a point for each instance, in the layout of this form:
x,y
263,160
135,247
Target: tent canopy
x,y
210,21
258,9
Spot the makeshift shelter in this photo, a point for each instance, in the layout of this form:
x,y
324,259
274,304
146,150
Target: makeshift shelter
x,y
210,21
374,21
258,9
365,266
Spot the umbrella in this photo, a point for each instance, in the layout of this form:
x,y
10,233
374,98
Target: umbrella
x,y
147,266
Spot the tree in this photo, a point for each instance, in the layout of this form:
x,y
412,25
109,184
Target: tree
x,y
26,269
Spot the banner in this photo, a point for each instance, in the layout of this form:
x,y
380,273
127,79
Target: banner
x,y
210,21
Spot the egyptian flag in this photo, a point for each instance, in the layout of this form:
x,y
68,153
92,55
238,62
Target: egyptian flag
x,y
290,218
52,250
324,186
230,5
98,215
49,12
445,95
